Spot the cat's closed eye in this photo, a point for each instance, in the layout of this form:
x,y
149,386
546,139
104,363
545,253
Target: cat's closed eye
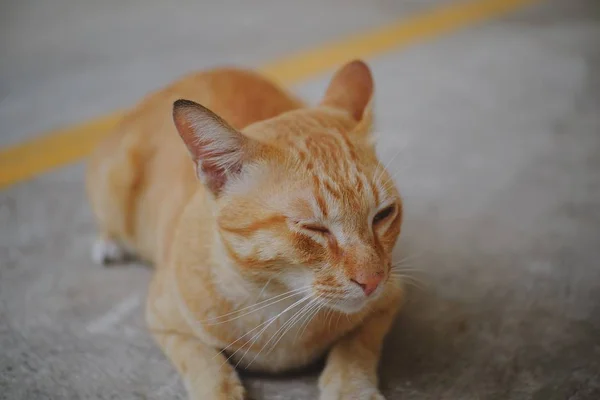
x,y
384,214
317,229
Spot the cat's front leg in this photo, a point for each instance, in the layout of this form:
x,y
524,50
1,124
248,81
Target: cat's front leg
x,y
205,373
351,368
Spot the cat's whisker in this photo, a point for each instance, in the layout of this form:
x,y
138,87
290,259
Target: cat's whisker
x,y
394,174
392,178
289,325
293,321
389,180
261,305
253,339
312,316
403,277
301,318
412,271
308,317
257,335
404,265
290,322
267,284
263,301
411,280
264,288
307,320
407,258
329,317
408,271
255,328
387,164
322,290
403,261
379,170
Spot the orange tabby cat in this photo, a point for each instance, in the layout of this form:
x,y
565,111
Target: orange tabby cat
x,y
281,253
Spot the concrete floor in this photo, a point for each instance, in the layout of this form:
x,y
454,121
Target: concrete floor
x,y
495,138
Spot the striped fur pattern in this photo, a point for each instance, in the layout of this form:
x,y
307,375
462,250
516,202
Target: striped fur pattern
x,y
275,248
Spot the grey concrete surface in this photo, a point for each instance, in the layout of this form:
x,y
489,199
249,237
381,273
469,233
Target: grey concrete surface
x,y
64,61
493,134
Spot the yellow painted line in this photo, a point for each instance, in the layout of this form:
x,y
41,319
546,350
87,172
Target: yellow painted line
x,y
64,146
399,34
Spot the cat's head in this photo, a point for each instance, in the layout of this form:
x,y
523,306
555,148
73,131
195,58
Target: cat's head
x,y
301,198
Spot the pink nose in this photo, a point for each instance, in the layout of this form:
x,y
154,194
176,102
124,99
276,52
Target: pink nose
x,y
368,283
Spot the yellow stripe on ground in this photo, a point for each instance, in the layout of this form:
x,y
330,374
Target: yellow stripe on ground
x,y
64,146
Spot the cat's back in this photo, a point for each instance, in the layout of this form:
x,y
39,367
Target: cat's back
x,y
239,96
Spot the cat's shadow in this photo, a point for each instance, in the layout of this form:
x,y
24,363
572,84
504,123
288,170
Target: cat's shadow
x,y
420,345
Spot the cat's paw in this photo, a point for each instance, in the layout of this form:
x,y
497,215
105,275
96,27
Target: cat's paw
x,y
350,393
227,387
233,389
341,386
372,394
107,251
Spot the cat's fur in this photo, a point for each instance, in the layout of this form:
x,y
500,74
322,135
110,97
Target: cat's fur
x,y
282,251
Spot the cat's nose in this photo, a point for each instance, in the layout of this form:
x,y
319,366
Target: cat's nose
x,y
368,282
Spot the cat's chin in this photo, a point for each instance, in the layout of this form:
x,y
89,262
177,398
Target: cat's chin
x,y
350,306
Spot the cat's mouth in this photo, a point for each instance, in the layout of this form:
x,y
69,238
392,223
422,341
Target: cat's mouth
x,y
353,303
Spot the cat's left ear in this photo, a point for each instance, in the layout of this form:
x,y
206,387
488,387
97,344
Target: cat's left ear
x,y
352,90
218,150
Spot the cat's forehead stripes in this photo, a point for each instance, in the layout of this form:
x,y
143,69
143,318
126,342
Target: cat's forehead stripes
x,y
339,182
318,145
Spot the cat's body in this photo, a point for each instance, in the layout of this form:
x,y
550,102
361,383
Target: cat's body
x,y
281,254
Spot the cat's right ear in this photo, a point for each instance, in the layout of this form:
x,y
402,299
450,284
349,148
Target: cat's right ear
x,y
218,150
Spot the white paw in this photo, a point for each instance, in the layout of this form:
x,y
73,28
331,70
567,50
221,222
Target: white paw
x,y
351,388
357,394
107,251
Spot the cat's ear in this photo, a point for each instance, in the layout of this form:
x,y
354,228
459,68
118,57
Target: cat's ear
x,y
362,134
218,150
351,89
